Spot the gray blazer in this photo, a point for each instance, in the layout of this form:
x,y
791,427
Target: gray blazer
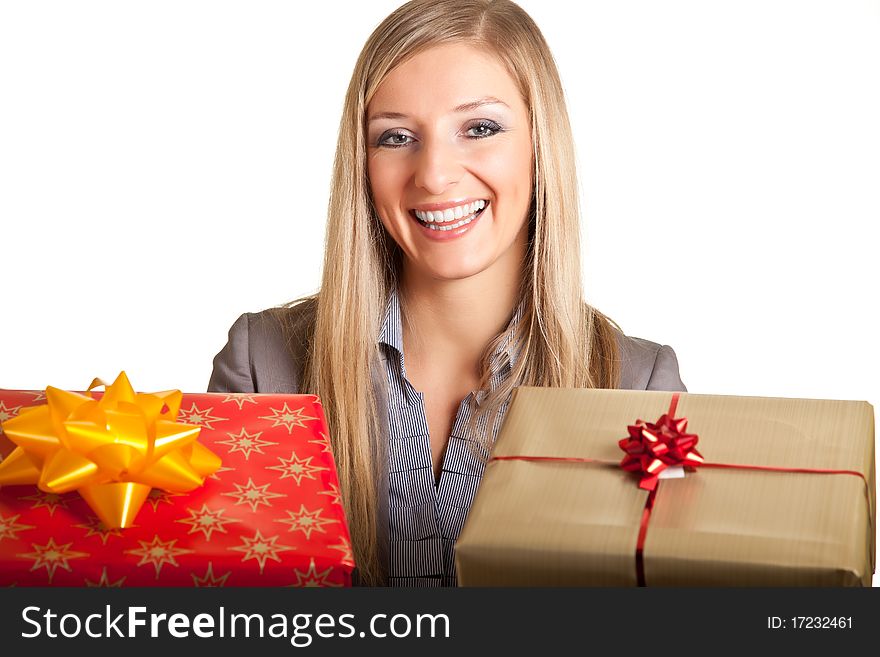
x,y
261,357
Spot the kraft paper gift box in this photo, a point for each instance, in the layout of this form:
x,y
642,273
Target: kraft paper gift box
x,y
271,515
576,523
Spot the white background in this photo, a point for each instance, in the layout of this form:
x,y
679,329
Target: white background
x,y
164,167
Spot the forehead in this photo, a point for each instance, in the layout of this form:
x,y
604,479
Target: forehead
x,y
442,77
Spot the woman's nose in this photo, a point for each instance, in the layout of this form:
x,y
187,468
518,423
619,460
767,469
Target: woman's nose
x,y
438,167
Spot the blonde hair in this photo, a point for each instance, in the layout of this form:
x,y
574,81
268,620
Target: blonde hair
x,y
562,341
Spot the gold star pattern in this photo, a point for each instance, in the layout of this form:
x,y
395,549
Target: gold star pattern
x,y
8,412
52,556
245,443
157,553
312,577
9,528
334,493
104,581
49,500
287,417
296,468
240,398
207,521
39,395
344,546
203,418
262,548
307,521
252,494
210,579
157,496
94,527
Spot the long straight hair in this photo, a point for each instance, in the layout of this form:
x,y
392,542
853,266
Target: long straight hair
x,y
561,340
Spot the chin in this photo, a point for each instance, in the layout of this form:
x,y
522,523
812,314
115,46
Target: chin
x,y
454,271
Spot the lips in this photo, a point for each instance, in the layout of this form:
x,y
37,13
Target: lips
x,y
450,230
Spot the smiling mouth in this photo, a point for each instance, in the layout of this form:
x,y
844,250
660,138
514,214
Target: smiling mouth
x,y
441,220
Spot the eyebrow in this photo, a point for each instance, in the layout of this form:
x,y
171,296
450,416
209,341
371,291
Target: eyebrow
x,y
464,107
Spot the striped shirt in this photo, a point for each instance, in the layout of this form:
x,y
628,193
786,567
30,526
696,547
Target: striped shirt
x,y
426,519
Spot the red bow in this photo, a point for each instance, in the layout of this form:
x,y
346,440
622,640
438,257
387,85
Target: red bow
x,y
651,448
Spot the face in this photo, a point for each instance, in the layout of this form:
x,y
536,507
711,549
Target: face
x,y
450,163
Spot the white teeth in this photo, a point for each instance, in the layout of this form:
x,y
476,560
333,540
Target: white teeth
x,y
450,214
458,224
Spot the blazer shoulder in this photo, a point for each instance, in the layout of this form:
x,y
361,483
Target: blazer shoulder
x,y
266,351
647,365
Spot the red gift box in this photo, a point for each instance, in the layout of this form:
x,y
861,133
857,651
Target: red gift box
x,y
270,516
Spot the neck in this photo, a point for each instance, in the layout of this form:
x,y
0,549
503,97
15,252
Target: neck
x,y
448,323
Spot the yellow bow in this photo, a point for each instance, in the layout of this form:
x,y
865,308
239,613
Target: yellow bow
x,y
111,450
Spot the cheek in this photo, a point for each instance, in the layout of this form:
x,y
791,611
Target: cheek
x,y
386,181
509,172
385,193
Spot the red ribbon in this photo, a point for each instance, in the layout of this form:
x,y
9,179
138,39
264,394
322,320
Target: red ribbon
x,y
652,448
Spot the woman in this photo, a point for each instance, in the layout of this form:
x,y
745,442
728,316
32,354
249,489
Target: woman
x,y
451,275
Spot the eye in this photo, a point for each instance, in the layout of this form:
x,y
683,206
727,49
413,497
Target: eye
x,y
484,128
392,139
